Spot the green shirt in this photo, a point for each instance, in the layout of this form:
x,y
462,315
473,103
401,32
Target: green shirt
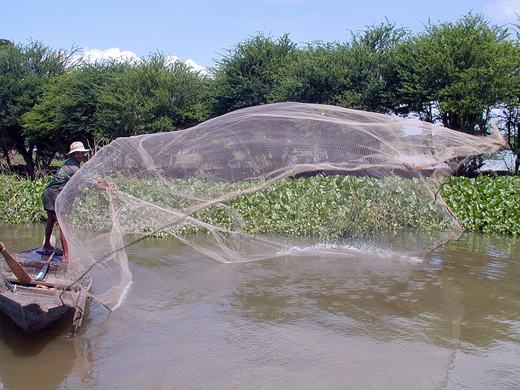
x,y
69,168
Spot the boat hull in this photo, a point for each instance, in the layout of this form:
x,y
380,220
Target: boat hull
x,y
36,315
40,304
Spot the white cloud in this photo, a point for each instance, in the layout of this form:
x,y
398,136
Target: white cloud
x,y
504,10
195,66
114,53
192,64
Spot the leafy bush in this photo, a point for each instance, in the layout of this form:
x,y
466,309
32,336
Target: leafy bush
x,y
330,206
487,204
337,206
21,200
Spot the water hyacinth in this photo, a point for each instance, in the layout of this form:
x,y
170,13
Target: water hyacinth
x,y
333,206
326,206
487,204
21,200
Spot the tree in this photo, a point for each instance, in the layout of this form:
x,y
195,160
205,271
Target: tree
x,y
101,101
455,73
511,105
353,74
152,95
318,73
24,71
372,58
511,113
66,111
250,73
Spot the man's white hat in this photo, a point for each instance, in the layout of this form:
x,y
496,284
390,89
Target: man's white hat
x,y
77,147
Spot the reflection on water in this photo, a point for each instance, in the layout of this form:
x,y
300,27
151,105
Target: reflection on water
x,y
356,319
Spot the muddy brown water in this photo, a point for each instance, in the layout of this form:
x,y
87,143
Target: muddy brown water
x,y
449,320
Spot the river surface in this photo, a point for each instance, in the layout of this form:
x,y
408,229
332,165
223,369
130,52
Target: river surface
x,y
449,320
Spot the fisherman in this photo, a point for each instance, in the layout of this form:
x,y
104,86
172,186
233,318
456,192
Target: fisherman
x,y
76,155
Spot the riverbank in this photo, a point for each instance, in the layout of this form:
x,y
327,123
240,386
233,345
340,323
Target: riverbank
x,y
486,204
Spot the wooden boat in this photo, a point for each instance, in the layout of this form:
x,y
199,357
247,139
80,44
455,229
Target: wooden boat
x,y
37,290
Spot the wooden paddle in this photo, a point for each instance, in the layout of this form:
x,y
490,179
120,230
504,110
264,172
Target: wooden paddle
x,y
15,266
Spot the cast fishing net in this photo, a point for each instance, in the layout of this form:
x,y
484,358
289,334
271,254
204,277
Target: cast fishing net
x,y
262,182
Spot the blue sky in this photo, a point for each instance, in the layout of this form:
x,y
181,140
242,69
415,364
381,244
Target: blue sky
x,y
199,31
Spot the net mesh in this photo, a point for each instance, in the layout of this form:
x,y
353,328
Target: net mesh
x,y
262,182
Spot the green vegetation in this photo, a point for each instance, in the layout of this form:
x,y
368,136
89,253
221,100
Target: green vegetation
x,y
459,74
21,200
25,72
487,204
327,206
338,206
333,206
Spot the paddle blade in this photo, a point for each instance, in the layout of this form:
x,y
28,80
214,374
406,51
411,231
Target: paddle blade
x,y
17,269
45,267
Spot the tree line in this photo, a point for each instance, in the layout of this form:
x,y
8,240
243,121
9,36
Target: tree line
x,y
462,74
